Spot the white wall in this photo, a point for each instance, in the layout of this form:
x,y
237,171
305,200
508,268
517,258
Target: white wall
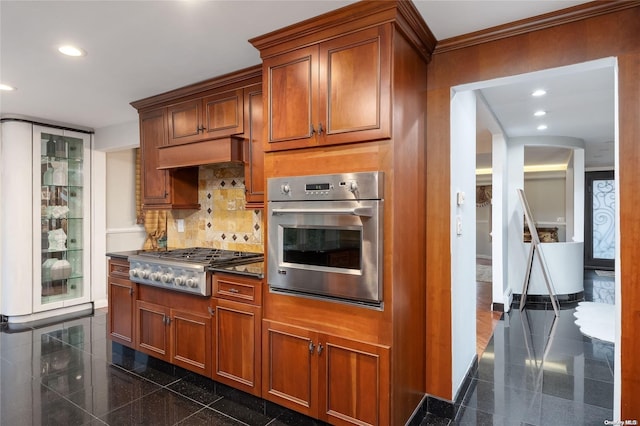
x,y
118,137
98,224
547,197
499,234
549,202
119,142
463,243
122,231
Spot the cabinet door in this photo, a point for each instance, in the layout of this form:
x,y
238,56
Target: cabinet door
x,y
292,81
237,345
355,87
191,341
223,114
355,379
289,367
152,333
62,226
254,150
121,310
155,183
185,122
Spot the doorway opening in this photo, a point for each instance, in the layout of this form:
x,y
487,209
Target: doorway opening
x,y
506,171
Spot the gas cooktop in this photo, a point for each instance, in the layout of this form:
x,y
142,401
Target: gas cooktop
x,y
184,269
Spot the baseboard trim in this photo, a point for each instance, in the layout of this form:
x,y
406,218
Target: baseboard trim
x,y
442,407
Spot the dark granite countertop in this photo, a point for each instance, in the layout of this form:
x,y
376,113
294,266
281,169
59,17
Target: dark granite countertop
x,y
253,270
123,254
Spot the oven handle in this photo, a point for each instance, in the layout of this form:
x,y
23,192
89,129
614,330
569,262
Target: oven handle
x,y
356,211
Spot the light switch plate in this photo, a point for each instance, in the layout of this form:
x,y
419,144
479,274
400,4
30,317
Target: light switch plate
x,y
180,225
460,198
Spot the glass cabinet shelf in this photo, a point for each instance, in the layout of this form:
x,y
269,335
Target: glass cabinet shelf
x,y
62,217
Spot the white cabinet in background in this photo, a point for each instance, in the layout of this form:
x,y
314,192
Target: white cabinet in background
x,y
45,221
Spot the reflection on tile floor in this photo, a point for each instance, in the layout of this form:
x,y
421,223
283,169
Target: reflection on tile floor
x,y
70,374
535,371
540,370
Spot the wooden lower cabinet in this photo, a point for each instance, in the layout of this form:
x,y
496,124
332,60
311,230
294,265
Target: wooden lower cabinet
x,y
121,303
236,347
191,341
152,335
176,336
335,379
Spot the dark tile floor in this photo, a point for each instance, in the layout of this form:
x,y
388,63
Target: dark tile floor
x,y
70,374
540,370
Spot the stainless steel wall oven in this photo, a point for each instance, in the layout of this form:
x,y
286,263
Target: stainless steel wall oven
x,y
325,236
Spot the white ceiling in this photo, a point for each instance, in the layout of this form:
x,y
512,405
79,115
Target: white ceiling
x,y
138,49
578,103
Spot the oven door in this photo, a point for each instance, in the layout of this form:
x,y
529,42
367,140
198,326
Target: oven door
x,y
326,249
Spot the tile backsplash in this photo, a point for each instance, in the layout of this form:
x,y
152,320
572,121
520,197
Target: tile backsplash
x,y
222,221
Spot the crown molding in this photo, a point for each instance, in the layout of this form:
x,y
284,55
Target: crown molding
x,y
535,23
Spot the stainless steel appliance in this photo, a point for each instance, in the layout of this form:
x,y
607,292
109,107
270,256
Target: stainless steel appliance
x,y
186,269
325,236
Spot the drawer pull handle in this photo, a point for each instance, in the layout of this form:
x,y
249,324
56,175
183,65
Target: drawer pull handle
x,y
233,290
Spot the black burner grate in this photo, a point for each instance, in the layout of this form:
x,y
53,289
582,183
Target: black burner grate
x,y
208,256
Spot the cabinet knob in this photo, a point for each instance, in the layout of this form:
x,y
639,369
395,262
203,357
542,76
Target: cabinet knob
x,y
320,348
320,129
312,130
311,347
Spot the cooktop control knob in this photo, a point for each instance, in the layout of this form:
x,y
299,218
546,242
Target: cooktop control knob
x,y
285,188
166,277
180,281
133,272
144,273
155,276
353,186
191,282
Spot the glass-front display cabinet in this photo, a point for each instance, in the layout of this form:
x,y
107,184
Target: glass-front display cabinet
x,y
61,233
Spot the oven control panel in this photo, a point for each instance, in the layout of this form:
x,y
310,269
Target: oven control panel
x,y
343,186
187,278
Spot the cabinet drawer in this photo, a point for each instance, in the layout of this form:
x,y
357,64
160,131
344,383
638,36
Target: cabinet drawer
x,y
119,268
238,289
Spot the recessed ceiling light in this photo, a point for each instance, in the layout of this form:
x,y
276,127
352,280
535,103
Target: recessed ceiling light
x,y
540,113
539,92
71,50
542,127
6,87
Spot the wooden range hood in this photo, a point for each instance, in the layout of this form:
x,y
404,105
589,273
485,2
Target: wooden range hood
x,y
226,150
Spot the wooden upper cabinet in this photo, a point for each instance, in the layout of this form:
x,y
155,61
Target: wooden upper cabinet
x,y
209,117
200,114
155,185
292,79
163,189
254,181
185,122
355,86
334,92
